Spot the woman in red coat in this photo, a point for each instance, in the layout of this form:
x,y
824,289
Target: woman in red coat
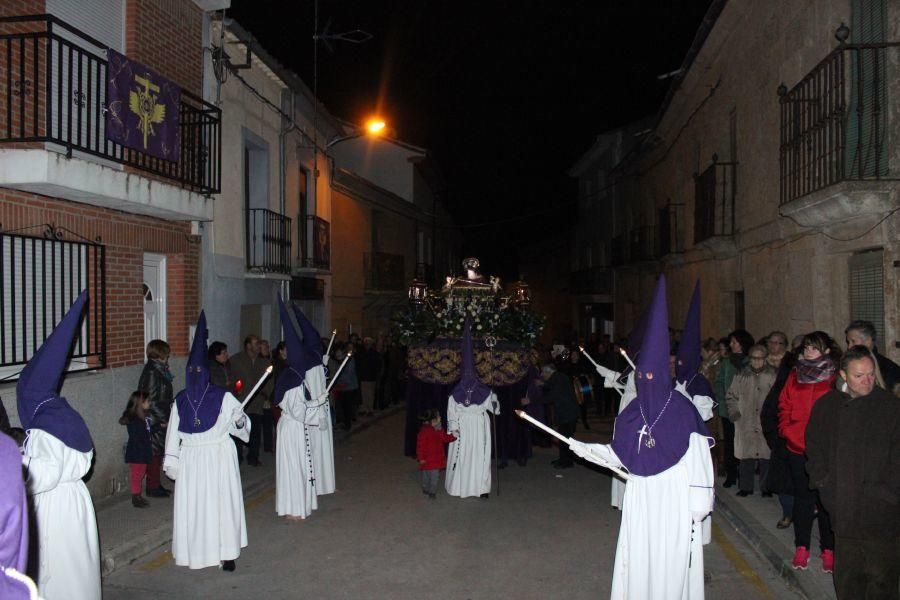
x,y
430,451
811,377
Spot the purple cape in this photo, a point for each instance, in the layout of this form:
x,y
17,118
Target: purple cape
x,y
667,417
469,390
200,402
39,403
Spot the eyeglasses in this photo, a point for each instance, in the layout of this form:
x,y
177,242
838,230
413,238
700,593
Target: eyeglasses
x,y
757,358
777,343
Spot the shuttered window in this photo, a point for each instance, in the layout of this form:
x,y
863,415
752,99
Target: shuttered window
x,y
867,289
866,149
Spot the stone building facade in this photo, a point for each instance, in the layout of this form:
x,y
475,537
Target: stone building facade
x,y
770,175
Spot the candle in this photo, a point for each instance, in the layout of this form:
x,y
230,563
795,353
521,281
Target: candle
x,y
257,386
588,356
330,342
338,372
568,441
625,354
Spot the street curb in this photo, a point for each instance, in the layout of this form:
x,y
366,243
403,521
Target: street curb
x,y
762,541
152,540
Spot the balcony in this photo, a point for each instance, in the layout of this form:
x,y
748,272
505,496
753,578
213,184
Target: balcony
x,y
714,191
835,161
53,105
268,241
384,272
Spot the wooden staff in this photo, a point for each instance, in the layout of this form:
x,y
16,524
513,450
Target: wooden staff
x,y
569,441
256,387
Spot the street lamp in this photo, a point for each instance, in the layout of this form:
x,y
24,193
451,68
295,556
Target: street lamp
x,y
374,127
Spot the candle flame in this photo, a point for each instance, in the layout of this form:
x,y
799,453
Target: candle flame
x,y
269,369
581,348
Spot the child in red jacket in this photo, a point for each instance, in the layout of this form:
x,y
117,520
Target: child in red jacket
x,y
430,451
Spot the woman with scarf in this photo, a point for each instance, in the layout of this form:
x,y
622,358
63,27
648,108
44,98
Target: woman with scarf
x,y
739,341
156,383
812,376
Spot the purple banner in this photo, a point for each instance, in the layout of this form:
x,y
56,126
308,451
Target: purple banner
x,y
143,108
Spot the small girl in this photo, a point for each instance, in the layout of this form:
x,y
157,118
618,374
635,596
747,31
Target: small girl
x,y
139,451
430,451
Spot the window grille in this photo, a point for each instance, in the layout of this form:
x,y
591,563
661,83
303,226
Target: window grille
x,y
40,278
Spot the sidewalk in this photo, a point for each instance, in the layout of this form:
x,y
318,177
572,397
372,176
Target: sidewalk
x,y
754,517
128,534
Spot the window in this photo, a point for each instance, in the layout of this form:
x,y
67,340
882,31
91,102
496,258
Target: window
x,y
867,289
40,278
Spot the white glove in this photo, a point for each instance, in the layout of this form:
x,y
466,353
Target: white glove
x,y
239,418
581,450
681,386
698,516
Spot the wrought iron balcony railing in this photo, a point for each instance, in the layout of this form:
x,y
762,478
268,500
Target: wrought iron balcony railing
x,y
268,241
53,89
834,122
714,191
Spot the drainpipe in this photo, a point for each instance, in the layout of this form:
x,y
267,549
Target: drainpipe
x,y
282,172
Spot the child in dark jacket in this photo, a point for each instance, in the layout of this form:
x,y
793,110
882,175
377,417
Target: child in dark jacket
x,y
430,451
139,450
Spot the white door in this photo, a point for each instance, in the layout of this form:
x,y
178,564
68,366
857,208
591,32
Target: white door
x,y
154,297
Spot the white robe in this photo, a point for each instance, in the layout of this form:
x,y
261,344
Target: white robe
x,y
659,555
320,431
629,392
295,494
469,456
68,546
209,525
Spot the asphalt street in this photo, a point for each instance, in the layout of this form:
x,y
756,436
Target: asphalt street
x,y
548,534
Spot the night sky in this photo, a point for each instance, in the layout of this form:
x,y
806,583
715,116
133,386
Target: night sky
x,y
505,95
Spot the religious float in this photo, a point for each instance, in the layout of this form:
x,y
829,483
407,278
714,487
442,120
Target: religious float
x,y
504,330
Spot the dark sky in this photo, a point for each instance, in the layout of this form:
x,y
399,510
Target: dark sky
x,y
505,95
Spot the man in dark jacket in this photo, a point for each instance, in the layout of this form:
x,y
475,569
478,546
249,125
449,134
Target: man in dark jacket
x,y
559,391
862,333
248,367
853,451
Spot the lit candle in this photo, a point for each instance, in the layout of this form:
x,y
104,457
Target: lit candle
x,y
588,356
568,441
338,372
257,386
625,354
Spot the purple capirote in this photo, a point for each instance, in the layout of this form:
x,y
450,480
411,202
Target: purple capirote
x,y
39,403
301,353
200,402
470,389
687,360
661,412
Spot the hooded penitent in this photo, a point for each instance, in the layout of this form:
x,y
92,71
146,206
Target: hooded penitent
x,y
302,354
636,337
40,406
687,362
469,390
653,432
200,402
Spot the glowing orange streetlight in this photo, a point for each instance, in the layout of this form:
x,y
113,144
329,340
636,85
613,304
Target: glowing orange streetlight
x,y
375,126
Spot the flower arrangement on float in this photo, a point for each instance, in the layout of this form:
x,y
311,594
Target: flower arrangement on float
x,y
433,315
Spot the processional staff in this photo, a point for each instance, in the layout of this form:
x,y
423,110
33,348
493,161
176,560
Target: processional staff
x,y
256,387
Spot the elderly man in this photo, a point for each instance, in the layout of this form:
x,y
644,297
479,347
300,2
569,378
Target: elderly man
x,y
853,451
862,333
